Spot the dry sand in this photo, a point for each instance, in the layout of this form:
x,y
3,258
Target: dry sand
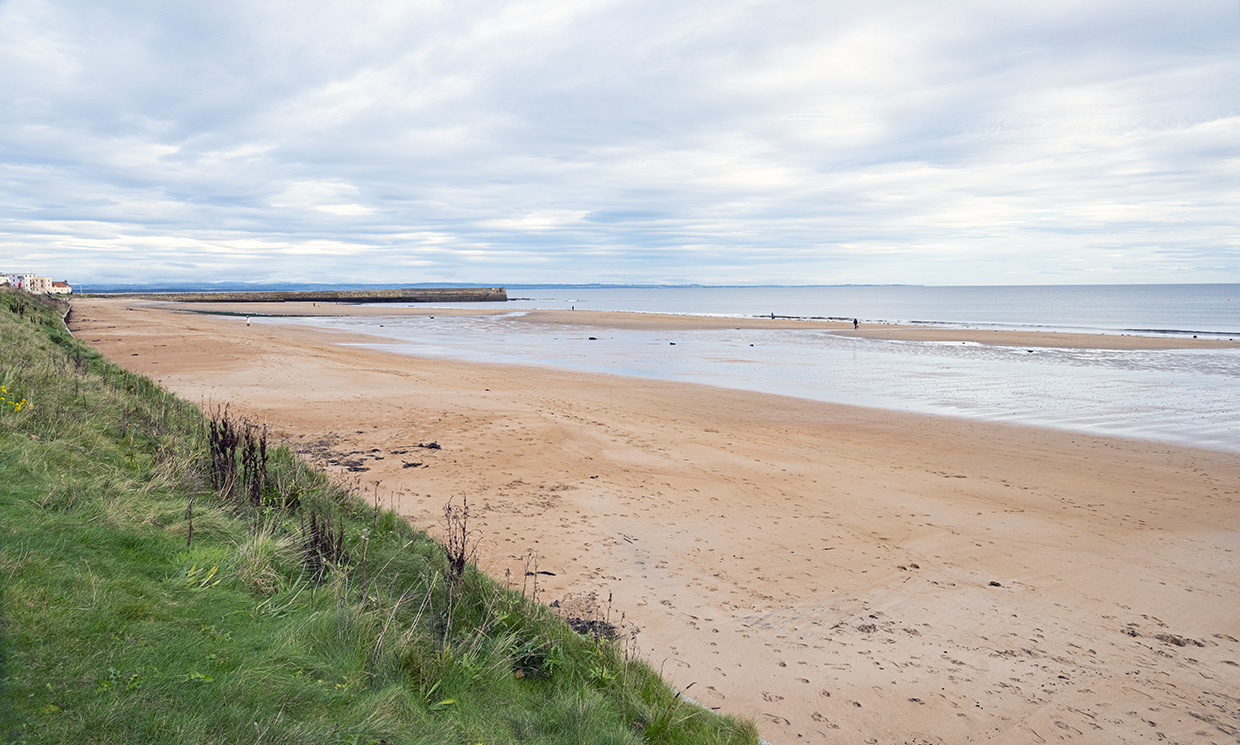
x,y
840,574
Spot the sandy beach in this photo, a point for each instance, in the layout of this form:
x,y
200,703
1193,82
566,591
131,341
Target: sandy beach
x,y
840,574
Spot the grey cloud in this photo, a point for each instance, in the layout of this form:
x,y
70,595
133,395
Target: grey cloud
x,y
638,141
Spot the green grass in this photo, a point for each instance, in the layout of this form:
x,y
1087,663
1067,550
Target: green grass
x,y
114,628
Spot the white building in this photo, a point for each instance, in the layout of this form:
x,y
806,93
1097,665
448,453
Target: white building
x,y
20,280
60,288
33,283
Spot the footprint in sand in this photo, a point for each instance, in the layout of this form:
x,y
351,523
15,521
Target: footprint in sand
x,y
768,696
714,693
776,720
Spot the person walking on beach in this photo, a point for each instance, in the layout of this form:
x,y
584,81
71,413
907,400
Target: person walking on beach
x,y
855,324
247,320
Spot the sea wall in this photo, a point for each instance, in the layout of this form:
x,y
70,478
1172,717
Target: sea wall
x,y
405,295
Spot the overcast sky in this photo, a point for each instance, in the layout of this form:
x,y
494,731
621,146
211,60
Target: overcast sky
x,y
630,141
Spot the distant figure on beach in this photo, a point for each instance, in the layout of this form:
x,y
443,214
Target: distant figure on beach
x,y
247,320
855,325
772,315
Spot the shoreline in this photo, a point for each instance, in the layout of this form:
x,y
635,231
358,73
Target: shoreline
x,y
667,321
826,569
961,373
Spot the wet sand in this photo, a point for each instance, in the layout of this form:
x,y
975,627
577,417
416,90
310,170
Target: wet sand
x,y
616,320
840,574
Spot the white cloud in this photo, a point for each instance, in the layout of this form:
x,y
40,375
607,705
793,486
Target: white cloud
x,y
540,221
330,197
630,140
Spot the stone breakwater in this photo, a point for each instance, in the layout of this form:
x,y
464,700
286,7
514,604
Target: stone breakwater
x,y
405,295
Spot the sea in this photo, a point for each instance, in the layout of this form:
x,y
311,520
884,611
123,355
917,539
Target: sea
x,y
1187,397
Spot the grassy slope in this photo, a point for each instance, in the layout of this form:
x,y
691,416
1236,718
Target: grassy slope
x,y
112,629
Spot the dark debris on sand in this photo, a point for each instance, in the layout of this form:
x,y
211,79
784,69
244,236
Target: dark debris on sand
x,y
326,450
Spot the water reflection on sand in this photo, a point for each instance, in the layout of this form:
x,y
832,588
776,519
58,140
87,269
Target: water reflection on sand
x,y
1183,396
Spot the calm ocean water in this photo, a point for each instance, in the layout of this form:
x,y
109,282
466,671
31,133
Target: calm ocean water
x,y
1182,396
1212,309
